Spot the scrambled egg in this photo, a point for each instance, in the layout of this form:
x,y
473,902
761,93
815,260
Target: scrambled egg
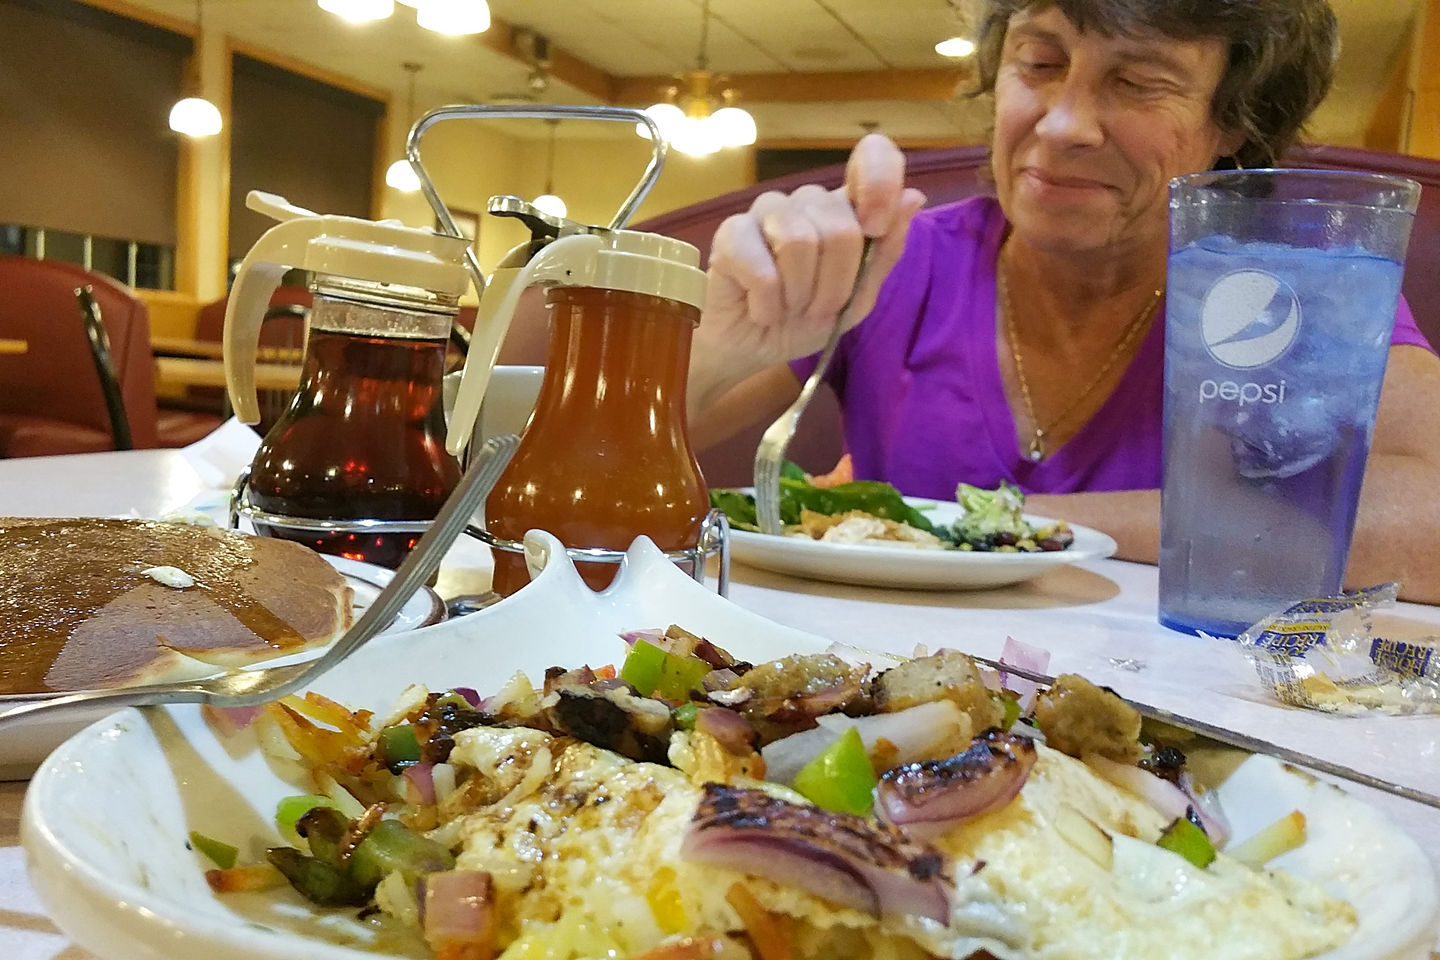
x,y
585,838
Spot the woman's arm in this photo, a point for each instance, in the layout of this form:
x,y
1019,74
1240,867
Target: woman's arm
x,y
1397,530
1132,517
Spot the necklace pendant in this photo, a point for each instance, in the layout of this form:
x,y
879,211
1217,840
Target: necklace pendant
x,y
1036,451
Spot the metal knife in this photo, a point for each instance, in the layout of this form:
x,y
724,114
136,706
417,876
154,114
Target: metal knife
x,y
1242,740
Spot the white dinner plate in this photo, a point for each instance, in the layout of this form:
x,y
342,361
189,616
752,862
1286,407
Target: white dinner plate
x,y
106,818
22,748
907,567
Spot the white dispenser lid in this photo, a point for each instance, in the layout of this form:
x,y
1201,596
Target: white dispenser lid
x,y
385,252
381,251
649,263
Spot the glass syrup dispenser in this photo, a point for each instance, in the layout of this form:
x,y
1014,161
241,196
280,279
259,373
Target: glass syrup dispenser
x,y
356,465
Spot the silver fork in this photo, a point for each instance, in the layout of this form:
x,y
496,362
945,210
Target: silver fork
x,y
243,688
770,454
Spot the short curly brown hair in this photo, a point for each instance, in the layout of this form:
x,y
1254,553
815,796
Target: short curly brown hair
x,y
1282,55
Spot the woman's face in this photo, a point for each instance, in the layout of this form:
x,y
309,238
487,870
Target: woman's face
x,y
1090,129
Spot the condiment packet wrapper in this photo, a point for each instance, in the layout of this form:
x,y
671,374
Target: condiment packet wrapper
x,y
1323,654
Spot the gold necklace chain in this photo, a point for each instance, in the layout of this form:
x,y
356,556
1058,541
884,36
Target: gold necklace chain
x,y
1036,451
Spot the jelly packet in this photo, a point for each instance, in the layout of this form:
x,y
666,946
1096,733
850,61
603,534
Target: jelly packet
x,y
1322,653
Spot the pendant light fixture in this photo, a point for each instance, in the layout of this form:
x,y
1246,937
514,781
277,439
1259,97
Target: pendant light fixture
x,y
955,47
358,11
400,175
453,17
695,118
195,116
548,202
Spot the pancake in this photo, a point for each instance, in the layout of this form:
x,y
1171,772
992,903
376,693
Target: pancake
x,y
78,609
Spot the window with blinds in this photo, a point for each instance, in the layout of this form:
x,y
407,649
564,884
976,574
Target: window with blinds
x,y
87,159
309,142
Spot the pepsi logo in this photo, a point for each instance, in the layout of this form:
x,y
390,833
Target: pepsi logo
x,y
1249,318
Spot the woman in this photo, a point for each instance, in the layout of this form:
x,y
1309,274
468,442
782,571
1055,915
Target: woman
x,y
1016,338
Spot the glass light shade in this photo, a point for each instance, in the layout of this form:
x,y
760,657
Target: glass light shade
x,y
454,17
401,176
955,47
696,138
667,117
734,126
195,117
551,204
358,11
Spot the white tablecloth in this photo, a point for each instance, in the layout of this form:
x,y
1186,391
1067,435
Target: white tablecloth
x,y
1097,619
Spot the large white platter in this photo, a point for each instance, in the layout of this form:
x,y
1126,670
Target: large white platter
x,y
23,748
884,566
106,818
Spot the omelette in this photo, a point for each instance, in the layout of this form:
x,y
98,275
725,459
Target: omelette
x,y
586,838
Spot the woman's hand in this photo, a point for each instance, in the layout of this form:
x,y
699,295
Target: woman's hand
x,y
780,272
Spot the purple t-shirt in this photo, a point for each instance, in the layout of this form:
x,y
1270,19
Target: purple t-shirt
x,y
919,380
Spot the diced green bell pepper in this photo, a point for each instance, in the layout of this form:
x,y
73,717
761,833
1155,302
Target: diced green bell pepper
x,y
392,846
685,715
1010,704
321,883
840,778
656,672
1189,841
290,809
218,852
399,747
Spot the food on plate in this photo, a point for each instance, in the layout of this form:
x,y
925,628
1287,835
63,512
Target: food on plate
x,y
870,512
686,804
93,602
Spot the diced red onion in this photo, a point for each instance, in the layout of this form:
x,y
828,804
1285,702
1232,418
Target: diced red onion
x,y
421,777
916,733
650,636
1207,808
785,757
787,862
734,732
471,696
1026,657
936,794
846,860
719,679
1169,800
232,720
712,655
458,909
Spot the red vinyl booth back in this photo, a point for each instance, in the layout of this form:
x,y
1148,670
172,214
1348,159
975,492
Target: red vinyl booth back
x,y
956,173
50,396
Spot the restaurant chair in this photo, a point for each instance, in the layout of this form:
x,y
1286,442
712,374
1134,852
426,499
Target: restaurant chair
x,y
192,414
53,399
105,367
